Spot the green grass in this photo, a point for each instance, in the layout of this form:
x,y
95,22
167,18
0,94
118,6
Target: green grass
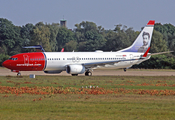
x,y
74,106
93,107
107,82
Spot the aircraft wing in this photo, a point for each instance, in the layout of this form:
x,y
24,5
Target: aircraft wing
x,y
95,64
39,48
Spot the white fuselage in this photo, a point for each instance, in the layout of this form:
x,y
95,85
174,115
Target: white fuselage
x,y
59,60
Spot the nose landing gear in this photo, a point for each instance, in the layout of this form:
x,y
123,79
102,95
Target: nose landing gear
x,y
17,71
18,74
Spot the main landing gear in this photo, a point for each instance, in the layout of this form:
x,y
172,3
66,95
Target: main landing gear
x,y
88,73
124,69
74,74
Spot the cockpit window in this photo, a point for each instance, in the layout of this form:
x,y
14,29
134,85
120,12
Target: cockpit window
x,y
13,58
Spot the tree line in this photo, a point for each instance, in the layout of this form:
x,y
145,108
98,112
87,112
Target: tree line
x,y
86,36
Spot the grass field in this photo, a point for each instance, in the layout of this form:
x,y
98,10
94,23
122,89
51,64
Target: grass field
x,y
62,97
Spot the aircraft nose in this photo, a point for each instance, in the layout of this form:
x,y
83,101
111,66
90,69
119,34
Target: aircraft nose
x,y
6,64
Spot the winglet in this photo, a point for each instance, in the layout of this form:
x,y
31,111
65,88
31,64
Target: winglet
x,y
151,22
146,53
62,50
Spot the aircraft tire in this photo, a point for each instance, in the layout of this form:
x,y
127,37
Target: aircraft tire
x,y
124,69
88,73
74,74
18,74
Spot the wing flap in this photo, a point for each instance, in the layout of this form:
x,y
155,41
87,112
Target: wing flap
x,y
95,64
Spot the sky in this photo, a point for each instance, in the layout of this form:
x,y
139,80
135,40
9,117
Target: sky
x,y
105,13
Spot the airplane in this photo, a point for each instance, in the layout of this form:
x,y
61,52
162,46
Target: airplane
x,y
75,63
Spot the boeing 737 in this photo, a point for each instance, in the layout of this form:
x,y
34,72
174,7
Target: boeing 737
x,y
75,63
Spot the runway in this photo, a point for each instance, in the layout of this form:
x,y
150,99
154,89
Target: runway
x,y
99,72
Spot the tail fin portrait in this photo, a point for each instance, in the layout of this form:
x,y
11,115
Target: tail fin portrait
x,y
143,41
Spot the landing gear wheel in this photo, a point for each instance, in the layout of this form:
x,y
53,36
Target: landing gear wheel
x,y
88,73
74,74
18,74
124,69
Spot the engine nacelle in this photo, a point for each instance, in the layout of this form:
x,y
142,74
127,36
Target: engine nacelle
x,y
53,72
75,69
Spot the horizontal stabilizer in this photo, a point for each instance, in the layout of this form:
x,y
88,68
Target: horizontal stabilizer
x,y
161,53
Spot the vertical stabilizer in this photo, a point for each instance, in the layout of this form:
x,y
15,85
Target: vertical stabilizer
x,y
143,41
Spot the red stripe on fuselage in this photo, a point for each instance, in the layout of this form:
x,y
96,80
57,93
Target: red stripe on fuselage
x,y
27,62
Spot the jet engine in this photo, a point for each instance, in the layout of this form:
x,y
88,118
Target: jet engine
x,y
75,69
53,72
